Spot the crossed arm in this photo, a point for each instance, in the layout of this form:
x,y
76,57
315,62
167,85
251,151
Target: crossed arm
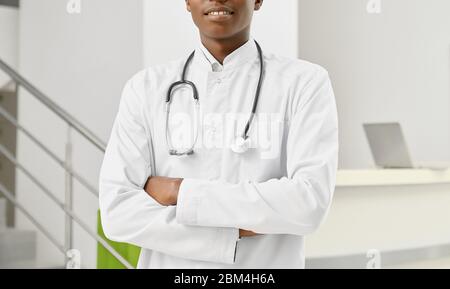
x,y
201,219
165,191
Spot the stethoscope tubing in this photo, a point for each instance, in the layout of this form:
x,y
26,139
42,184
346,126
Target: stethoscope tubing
x,y
183,81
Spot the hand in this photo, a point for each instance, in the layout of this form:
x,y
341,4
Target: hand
x,y
245,233
164,190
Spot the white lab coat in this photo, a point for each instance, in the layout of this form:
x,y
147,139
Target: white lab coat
x,y
283,196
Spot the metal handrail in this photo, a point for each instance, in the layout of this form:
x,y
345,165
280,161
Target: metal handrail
x,y
79,178
85,227
66,206
13,200
50,104
4,151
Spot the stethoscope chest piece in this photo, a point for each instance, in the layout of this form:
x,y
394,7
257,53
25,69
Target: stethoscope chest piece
x,y
240,145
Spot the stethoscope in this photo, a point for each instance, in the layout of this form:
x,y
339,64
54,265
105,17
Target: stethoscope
x,y
241,143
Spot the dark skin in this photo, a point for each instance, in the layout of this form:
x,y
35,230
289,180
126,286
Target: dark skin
x,y
221,35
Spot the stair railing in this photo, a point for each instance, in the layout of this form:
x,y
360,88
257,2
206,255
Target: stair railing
x,y
66,164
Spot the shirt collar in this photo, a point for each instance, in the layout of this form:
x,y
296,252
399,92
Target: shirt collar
x,y
240,56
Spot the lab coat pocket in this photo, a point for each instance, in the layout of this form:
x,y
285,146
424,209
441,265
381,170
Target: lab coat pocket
x,y
263,159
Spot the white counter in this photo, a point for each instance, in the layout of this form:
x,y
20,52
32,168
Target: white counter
x,y
390,177
393,211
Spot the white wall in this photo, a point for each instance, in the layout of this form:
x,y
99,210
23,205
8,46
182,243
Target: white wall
x,y
392,66
171,34
8,39
82,62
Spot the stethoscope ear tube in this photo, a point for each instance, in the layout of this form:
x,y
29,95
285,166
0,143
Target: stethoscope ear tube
x,y
258,92
180,83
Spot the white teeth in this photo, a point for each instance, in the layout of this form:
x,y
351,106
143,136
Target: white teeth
x,y
217,13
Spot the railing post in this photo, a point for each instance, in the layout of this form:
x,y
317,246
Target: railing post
x,y
68,199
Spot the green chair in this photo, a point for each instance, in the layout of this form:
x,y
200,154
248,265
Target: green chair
x,y
106,260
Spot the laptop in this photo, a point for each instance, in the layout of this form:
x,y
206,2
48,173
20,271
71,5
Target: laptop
x,y
389,149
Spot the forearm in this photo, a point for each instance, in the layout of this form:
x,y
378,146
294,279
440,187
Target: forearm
x,y
133,217
165,191
279,206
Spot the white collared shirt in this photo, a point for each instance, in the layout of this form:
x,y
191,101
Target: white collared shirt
x,y
281,188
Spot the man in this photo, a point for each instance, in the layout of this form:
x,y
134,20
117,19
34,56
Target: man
x,y
216,208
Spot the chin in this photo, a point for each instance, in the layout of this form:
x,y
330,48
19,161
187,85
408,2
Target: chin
x,y
218,34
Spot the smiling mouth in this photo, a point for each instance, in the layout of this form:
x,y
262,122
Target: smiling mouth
x,y
219,12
